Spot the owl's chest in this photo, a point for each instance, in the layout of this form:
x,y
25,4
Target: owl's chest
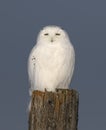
x,y
50,57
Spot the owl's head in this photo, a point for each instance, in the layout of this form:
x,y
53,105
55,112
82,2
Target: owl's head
x,y
52,35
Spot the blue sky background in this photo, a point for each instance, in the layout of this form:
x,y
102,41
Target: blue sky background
x,y
85,22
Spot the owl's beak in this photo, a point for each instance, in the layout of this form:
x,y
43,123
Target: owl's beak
x,y
52,40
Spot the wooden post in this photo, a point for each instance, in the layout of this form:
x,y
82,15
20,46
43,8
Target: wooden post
x,y
54,110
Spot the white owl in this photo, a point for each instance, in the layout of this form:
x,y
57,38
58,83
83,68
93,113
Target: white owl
x,y
51,61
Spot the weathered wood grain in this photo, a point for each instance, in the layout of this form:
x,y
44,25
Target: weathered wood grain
x,y
54,111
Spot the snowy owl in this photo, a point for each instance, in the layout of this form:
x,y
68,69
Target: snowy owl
x,y
51,61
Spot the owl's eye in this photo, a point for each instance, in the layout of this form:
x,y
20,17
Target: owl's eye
x,y
57,34
46,34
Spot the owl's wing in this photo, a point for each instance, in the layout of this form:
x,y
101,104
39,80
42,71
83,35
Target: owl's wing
x,y
31,69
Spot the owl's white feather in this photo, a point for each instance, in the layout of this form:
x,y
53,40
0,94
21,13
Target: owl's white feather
x,y
51,61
